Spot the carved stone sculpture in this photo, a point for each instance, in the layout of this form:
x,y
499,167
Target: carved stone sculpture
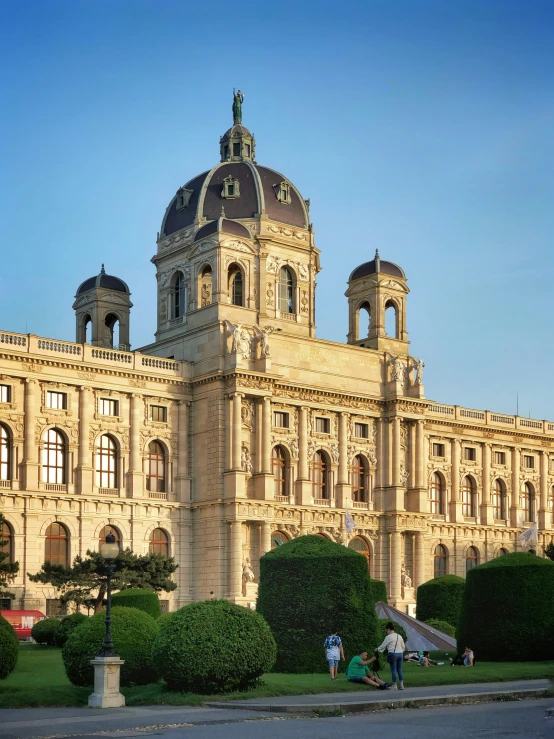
x,y
262,336
246,461
405,578
241,340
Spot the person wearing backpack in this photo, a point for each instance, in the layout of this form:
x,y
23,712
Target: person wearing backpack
x,y
394,644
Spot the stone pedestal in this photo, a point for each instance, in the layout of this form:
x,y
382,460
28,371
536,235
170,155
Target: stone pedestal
x,y
408,595
251,591
106,683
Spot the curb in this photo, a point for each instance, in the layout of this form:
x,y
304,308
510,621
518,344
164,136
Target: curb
x,y
382,705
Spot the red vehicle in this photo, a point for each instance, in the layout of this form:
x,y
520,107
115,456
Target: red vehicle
x,y
22,621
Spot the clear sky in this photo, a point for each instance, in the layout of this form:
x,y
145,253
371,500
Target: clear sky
x,y
422,128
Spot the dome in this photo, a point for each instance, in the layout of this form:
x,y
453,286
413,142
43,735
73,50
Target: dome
x,y
108,282
377,265
223,225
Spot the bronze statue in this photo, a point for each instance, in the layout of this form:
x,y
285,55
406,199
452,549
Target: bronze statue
x,y
238,99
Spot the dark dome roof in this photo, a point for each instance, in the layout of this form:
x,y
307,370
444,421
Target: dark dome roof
x,y
257,194
237,130
223,224
371,268
108,282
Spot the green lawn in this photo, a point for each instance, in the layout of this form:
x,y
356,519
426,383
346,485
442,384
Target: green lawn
x,y
39,680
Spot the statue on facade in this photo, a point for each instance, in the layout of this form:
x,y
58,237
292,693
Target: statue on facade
x,y
246,461
262,336
241,339
405,578
238,99
398,369
247,572
418,366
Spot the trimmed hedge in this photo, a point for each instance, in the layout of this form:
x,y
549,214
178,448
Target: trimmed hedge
x,y
46,631
133,634
213,646
382,630
309,587
67,624
440,598
143,599
9,648
507,611
443,626
378,591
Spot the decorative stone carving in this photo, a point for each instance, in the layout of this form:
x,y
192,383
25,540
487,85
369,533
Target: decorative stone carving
x,y
397,368
304,302
334,449
241,340
246,461
273,264
262,337
293,445
269,296
405,578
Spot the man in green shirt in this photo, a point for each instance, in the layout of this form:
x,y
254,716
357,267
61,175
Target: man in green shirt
x,y
359,672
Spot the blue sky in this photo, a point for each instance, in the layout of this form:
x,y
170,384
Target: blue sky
x,y
421,128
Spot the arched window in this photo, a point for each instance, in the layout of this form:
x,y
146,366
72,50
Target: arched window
x,y
468,497
111,323
106,462
155,473
320,476
110,530
5,449
440,560
436,494
6,539
178,295
53,457
159,542
499,500
56,549
87,323
236,285
278,539
472,558
391,320
279,469
361,546
527,501
364,320
286,291
502,552
359,479
205,287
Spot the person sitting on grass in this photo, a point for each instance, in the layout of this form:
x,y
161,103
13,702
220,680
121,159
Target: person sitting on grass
x,y
467,659
359,672
333,651
412,657
426,661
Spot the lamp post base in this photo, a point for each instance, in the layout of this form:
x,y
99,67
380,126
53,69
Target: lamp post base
x,y
106,683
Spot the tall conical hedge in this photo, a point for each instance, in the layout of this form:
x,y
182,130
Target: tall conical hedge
x,y
440,598
309,587
507,609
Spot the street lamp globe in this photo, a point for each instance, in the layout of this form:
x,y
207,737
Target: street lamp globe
x,y
109,549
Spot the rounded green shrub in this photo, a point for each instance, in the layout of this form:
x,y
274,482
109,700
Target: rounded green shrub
x,y
46,631
144,600
507,611
382,630
378,591
213,646
443,626
9,648
133,634
67,624
308,587
440,598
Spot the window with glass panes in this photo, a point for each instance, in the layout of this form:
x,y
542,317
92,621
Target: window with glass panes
x,y
498,499
56,400
5,394
53,457
286,291
322,425
500,457
178,295
320,472
438,450
106,462
56,548
278,467
472,558
159,542
158,413
155,472
529,461
5,449
109,530
108,407
440,561
359,479
281,420
278,539
468,497
361,430
470,453
6,536
361,546
436,494
236,285
527,501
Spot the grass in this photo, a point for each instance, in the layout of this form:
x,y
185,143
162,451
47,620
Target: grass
x,y
39,680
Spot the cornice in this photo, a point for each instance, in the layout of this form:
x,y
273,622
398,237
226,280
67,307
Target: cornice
x,y
490,433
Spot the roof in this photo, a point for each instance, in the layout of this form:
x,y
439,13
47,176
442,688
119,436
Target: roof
x,y
108,282
420,636
257,194
223,224
377,265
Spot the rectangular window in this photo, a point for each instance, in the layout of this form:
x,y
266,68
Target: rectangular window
x,y
281,420
108,407
158,413
529,461
438,450
361,430
323,425
470,453
500,457
5,394
54,607
247,149
231,191
236,150
55,400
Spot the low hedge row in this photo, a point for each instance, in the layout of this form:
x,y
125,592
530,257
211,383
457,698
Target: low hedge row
x,y
440,598
144,600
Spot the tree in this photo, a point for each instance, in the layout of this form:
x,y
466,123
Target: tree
x,y
8,570
87,576
549,550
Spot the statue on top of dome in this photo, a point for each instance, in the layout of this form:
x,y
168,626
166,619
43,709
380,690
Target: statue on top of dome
x,y
238,99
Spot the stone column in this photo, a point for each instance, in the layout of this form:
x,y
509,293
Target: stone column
x,y
182,479
266,436
395,451
419,575
228,432
455,503
545,516
237,432
395,567
235,560
84,468
31,458
343,489
259,433
265,537
303,484
135,475
418,498
487,514
515,488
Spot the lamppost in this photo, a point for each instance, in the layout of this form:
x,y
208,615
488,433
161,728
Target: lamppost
x,y
108,664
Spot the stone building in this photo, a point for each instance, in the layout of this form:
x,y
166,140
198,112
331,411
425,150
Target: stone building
x,y
238,429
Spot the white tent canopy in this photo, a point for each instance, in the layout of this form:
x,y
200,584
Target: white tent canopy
x,y
421,637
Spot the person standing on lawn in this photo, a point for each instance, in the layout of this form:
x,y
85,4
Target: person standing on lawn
x,y
394,643
333,651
